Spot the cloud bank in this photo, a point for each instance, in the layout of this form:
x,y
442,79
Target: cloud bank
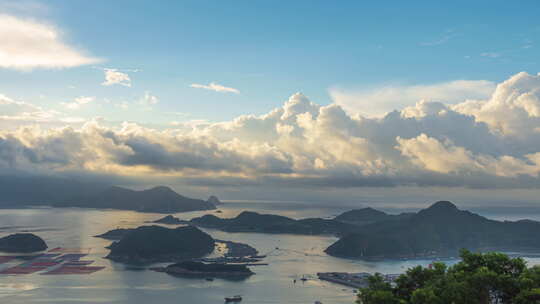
x,y
28,44
381,100
492,142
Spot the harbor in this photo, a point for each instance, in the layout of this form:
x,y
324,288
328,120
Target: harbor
x,y
355,280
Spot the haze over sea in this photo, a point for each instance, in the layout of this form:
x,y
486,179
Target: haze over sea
x,y
118,283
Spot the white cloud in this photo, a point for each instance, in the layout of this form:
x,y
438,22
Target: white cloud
x,y
28,44
215,87
380,100
512,110
433,155
78,102
494,142
148,99
113,76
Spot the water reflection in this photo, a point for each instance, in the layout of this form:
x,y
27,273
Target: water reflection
x,y
295,257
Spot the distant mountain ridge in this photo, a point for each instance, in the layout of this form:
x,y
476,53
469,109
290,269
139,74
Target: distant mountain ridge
x,y
159,199
249,221
439,230
367,215
28,190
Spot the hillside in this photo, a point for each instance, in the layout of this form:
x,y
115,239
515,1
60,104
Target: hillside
x,y
159,244
248,221
440,230
367,215
158,199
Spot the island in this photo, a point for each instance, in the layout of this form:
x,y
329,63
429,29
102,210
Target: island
x,y
200,269
115,234
151,244
159,199
170,220
238,250
249,221
30,190
440,230
22,242
367,216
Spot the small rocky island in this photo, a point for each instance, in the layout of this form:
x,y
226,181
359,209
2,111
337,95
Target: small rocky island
x,y
170,220
151,244
200,269
22,242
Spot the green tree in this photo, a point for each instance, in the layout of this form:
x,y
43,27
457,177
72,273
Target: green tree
x,y
477,279
378,291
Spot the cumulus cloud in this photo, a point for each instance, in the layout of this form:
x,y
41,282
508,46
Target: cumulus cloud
x,y
28,44
79,102
215,87
489,143
148,99
113,76
380,100
512,110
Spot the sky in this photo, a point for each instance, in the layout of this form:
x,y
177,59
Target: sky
x,y
239,96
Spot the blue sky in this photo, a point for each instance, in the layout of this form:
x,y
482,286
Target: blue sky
x,y
270,50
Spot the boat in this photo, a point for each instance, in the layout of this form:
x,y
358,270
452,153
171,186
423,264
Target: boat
x,y
233,299
209,279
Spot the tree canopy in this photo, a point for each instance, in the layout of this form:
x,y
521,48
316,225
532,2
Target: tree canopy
x,y
479,278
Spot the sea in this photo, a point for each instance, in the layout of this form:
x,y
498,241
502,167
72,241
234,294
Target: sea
x,y
290,257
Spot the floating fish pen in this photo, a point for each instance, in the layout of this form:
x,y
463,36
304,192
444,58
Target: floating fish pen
x,y
58,261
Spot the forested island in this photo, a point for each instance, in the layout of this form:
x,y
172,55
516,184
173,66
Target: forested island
x,y
22,242
150,244
438,231
199,269
248,221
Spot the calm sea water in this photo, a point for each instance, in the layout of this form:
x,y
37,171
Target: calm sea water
x,y
298,256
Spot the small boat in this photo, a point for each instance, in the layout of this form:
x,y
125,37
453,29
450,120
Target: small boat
x,y
209,279
233,299
318,302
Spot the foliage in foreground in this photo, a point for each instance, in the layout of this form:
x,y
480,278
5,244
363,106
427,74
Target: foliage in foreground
x,y
477,279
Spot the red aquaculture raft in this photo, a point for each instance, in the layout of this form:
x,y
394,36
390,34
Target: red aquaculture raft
x,y
57,261
74,270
